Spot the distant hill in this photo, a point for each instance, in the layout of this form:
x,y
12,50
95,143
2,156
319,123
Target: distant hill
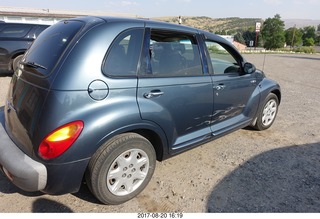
x,y
300,23
233,24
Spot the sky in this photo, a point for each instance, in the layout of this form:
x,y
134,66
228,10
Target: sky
x,y
288,9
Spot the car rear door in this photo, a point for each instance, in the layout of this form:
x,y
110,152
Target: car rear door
x,y
173,92
233,89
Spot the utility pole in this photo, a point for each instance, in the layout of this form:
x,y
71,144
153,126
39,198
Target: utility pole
x,y
258,27
293,35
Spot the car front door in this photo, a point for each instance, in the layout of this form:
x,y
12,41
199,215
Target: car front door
x,y
173,91
233,89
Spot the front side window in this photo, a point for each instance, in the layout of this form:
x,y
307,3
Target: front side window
x,y
124,53
222,60
173,54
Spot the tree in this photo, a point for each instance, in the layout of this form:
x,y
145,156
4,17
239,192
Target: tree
x,y
221,32
318,36
249,35
239,38
317,42
309,36
273,32
308,42
293,36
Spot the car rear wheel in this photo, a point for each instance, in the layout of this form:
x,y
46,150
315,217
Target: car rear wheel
x,y
121,168
268,113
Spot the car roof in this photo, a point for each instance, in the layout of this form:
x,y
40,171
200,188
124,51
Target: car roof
x,y
153,23
25,24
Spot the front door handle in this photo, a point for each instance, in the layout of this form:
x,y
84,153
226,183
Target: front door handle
x,y
154,93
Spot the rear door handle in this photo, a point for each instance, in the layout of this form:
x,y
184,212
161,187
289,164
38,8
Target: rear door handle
x,y
154,93
219,87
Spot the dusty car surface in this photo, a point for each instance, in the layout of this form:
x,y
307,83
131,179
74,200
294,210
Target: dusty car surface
x,y
15,39
101,99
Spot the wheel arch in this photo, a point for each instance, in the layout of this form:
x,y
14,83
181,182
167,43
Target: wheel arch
x,y
152,133
269,87
15,55
155,140
254,123
277,93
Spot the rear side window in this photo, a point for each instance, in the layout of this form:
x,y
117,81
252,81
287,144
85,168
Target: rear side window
x,y
47,49
16,30
124,54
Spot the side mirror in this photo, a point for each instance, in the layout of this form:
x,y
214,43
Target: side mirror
x,y
249,68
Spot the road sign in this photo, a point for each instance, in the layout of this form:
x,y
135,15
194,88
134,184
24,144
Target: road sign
x,y
258,26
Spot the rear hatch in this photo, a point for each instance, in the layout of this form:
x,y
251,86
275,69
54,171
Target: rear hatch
x,y
32,80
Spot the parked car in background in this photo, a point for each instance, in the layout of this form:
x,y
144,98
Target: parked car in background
x,y
101,99
15,39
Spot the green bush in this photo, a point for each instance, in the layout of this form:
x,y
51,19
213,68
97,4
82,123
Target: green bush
x,y
305,49
302,49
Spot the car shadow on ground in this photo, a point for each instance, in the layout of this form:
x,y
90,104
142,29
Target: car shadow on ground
x,y
280,180
43,205
7,187
6,75
85,195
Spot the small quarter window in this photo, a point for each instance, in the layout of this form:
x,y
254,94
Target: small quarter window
x,y
124,53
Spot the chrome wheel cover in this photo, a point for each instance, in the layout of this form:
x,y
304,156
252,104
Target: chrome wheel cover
x,y
127,172
269,112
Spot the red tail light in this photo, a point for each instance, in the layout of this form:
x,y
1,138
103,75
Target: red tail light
x,y
58,141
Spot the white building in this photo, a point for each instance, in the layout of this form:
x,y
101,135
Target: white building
x,y
228,37
47,16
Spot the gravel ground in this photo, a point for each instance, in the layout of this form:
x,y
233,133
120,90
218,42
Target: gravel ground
x,y
276,170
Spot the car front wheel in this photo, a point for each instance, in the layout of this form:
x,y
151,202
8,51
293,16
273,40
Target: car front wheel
x,y
16,61
121,168
268,113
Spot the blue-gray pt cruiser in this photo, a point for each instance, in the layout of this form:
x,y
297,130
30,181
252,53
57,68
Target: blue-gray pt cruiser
x,y
102,99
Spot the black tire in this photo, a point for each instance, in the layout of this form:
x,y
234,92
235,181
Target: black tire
x,y
16,61
268,112
121,168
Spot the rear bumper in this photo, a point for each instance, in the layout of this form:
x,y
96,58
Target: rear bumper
x,y
23,171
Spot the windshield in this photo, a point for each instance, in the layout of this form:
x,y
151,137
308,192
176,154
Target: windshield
x,y
47,49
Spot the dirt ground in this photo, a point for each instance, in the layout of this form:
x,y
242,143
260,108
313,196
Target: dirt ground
x,y
277,170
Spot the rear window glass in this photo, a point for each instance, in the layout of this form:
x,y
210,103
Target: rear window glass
x,y
14,30
47,49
